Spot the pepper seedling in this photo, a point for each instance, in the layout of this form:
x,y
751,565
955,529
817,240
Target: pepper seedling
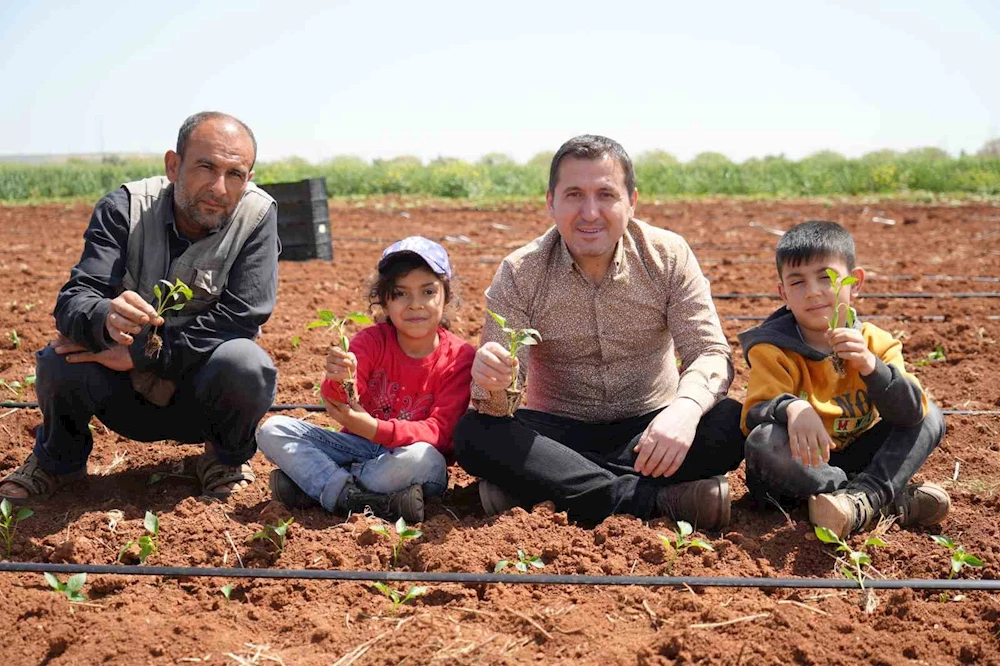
x,y
858,559
403,534
276,534
336,325
9,519
516,338
168,300
933,357
227,591
682,542
398,598
147,542
71,588
522,563
959,558
15,339
850,314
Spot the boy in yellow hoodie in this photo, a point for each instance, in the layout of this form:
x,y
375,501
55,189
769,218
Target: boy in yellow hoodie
x,y
850,438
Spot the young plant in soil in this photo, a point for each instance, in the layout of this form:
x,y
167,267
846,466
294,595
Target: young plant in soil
x,y
71,588
335,325
682,542
167,300
276,534
933,357
398,598
9,519
147,542
522,563
516,338
16,387
403,534
959,558
227,591
859,560
849,315
15,339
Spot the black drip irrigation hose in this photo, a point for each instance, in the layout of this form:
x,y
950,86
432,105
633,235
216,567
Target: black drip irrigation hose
x,y
285,407
493,578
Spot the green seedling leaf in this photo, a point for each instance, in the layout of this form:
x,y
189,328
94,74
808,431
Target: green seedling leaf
x,y
9,520
29,380
227,591
71,588
501,322
275,534
825,534
403,534
501,565
296,341
157,292
684,528
942,540
875,541
151,523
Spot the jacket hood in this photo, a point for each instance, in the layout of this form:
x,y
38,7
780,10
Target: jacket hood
x,y
781,331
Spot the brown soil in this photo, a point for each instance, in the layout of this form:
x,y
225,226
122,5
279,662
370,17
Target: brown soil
x,y
128,620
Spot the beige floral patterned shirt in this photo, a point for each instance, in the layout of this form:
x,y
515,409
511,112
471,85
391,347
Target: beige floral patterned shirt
x,y
610,351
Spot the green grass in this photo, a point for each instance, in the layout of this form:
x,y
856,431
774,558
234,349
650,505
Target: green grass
x,y
917,175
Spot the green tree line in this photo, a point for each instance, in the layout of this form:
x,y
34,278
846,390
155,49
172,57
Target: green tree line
x,y
497,176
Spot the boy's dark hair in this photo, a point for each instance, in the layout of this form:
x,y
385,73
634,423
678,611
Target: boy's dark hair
x,y
592,147
814,239
396,267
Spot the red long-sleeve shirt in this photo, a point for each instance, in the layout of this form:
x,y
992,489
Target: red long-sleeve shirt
x,y
413,399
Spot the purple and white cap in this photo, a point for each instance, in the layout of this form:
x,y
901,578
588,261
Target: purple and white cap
x,y
431,252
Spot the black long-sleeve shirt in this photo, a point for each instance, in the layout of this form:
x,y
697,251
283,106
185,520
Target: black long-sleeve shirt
x,y
245,304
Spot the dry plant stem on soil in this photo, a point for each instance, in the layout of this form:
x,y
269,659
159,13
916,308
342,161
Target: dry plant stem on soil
x,y
171,299
516,338
336,325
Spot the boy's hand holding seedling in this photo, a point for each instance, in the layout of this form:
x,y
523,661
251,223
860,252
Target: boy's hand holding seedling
x,y
836,332
849,345
807,436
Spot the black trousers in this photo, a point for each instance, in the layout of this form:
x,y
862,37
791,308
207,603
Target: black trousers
x,y
222,401
587,468
881,462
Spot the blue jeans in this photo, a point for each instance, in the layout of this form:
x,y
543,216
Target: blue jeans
x,y
321,461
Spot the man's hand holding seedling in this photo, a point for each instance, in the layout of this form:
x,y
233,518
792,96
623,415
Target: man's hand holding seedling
x,y
128,314
849,344
493,367
665,443
808,438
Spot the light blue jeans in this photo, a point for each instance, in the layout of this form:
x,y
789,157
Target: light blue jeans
x,y
321,461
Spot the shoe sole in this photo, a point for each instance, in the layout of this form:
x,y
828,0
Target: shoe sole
x,y
825,511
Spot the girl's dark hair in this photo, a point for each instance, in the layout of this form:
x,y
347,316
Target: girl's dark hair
x,y
812,240
384,282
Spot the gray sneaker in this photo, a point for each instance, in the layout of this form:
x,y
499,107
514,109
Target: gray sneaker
x,y
495,500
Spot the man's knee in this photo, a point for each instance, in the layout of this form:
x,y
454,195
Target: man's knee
x,y
242,372
468,434
54,373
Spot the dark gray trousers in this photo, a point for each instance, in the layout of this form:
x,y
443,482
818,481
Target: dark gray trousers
x,y
220,401
881,462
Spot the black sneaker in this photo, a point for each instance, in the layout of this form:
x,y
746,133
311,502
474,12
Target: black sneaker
x,y
288,493
407,503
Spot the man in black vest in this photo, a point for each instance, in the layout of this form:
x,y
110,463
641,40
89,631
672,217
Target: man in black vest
x,y
209,226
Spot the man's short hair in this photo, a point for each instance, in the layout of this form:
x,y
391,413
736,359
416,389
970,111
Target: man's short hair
x,y
592,147
192,123
814,239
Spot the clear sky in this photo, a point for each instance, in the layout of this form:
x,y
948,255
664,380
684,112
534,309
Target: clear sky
x,y
461,79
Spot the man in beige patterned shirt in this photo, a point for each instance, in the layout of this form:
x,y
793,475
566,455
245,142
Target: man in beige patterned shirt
x,y
626,409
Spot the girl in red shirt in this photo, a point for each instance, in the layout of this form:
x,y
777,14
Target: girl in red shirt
x,y
413,379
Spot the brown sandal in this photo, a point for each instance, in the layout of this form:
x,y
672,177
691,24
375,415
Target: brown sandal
x,y
213,473
40,484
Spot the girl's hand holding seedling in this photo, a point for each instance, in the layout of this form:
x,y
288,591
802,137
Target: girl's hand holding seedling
x,y
810,442
340,365
127,316
493,366
352,417
849,344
